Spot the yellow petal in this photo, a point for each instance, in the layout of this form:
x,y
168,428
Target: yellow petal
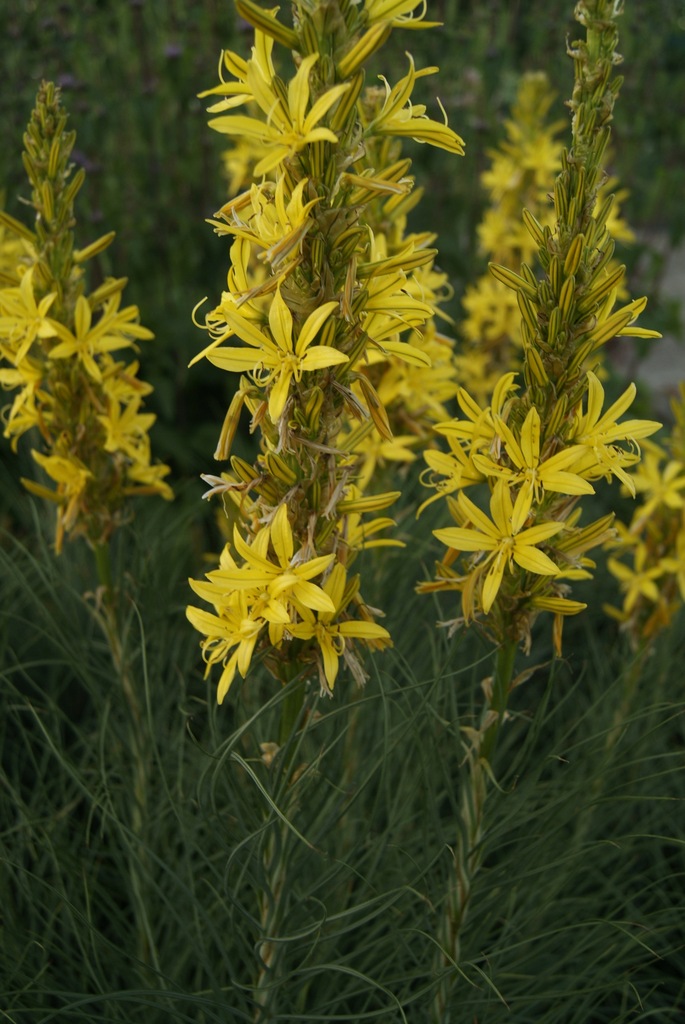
x,y
227,677
320,356
281,323
461,539
282,536
533,560
313,324
279,394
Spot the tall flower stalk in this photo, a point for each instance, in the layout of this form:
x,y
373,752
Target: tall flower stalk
x,y
540,444
58,343
520,175
76,398
315,296
647,558
318,292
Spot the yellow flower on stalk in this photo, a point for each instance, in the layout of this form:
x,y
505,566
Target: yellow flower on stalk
x,y
326,228
399,117
146,478
533,475
465,437
331,635
639,581
234,626
114,329
71,477
126,428
23,320
278,358
658,486
263,217
600,433
454,467
24,412
287,579
290,127
252,76
390,309
502,537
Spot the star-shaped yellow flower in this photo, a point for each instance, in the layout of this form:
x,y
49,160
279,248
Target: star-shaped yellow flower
x,y
533,475
498,536
279,358
331,635
288,128
23,320
399,117
639,581
285,579
599,435
234,626
113,329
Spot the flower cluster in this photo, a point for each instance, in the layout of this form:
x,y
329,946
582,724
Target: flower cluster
x,y
520,176
648,556
320,292
60,348
538,448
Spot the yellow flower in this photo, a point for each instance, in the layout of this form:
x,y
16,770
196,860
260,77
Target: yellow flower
x,y
24,320
290,127
505,542
286,579
25,412
456,469
639,581
330,635
266,219
126,428
534,476
143,478
599,435
478,429
280,358
398,117
658,486
114,329
234,626
389,309
71,477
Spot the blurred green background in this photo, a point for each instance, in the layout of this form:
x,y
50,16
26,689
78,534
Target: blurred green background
x,y
130,71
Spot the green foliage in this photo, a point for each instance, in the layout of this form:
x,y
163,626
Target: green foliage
x,y
576,914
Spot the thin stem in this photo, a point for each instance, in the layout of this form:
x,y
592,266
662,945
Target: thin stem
x,y
137,862
468,854
501,688
103,564
276,859
290,711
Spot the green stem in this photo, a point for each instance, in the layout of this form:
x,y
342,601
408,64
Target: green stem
x,y
290,711
138,858
103,564
468,854
501,688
